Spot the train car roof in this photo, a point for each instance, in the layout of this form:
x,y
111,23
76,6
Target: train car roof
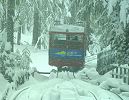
x,y
67,28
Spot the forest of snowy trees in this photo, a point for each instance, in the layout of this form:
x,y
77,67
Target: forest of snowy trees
x,y
106,22
106,19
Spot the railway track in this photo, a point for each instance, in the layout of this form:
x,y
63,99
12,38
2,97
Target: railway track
x,y
95,94
109,91
117,95
19,92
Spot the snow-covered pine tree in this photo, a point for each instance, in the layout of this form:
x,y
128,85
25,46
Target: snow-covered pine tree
x,y
15,67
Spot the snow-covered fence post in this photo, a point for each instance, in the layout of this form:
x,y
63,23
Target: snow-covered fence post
x,y
107,61
112,73
116,72
122,73
124,78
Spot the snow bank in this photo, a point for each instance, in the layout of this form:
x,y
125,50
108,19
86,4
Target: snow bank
x,y
89,75
104,81
116,86
124,88
40,77
104,77
111,83
125,94
116,90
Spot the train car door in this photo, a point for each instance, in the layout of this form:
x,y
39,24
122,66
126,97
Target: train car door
x,y
75,49
57,51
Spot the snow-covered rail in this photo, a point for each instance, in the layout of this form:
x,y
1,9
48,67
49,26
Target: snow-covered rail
x,y
118,96
94,95
98,93
59,89
14,97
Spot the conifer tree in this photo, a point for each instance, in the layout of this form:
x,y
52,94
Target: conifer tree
x,y
10,22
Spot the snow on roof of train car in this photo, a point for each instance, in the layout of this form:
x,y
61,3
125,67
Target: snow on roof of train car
x,y
67,28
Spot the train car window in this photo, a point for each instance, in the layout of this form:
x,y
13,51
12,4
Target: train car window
x,y
58,36
61,36
74,38
58,39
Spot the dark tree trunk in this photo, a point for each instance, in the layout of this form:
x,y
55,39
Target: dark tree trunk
x,y
87,28
73,13
10,23
87,33
23,28
3,23
19,36
3,20
36,28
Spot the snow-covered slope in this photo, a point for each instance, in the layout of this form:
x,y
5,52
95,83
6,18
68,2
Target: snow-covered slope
x,y
39,58
3,84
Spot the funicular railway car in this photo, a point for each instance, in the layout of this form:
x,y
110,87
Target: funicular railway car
x,y
67,47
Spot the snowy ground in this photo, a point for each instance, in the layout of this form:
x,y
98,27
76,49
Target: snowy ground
x,y
3,84
39,58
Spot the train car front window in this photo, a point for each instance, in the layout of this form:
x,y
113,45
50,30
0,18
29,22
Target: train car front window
x,y
61,36
74,38
58,36
58,39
